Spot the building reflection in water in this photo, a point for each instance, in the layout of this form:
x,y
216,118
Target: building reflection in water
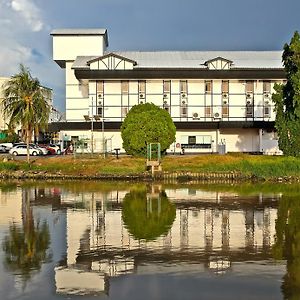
x,y
96,236
211,229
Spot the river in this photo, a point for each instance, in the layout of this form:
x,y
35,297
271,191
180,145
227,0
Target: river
x,y
120,240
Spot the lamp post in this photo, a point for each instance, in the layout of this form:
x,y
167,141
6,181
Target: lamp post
x,y
98,118
91,118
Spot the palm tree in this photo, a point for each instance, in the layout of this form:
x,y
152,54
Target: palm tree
x,y
25,104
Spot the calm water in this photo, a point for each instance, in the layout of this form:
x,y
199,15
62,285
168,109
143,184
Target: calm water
x,y
89,240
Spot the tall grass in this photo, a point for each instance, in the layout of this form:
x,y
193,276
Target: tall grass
x,y
265,167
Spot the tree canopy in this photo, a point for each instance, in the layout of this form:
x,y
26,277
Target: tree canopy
x,y
144,124
287,100
25,104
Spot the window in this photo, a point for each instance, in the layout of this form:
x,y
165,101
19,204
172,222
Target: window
x,y
267,86
167,86
99,111
249,86
249,109
225,110
125,87
100,89
192,140
267,109
183,109
207,111
142,87
142,91
124,111
225,87
183,86
166,106
208,87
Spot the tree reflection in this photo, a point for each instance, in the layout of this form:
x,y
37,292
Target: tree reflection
x,y
26,246
287,245
147,217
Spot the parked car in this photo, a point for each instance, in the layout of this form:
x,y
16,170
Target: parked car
x,y
56,148
3,149
40,150
7,146
50,150
22,150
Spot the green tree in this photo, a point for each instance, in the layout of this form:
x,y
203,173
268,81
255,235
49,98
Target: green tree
x,y
287,100
144,124
24,104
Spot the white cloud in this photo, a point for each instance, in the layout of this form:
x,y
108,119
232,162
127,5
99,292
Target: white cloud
x,y
30,12
13,56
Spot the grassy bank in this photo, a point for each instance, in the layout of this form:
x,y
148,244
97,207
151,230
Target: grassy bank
x,y
261,167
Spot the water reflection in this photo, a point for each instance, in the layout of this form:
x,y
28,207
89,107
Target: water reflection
x,y
106,236
287,244
26,245
147,215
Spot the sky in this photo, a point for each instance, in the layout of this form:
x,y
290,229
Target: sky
x,y
25,27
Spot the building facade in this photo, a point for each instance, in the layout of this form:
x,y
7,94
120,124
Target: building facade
x,y
217,99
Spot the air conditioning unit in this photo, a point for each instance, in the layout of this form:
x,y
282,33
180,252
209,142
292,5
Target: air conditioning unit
x,y
99,103
249,95
249,102
183,95
100,96
217,115
266,95
141,102
142,96
225,102
165,96
183,102
225,95
196,116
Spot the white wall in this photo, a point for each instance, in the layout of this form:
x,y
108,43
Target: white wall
x,y
68,47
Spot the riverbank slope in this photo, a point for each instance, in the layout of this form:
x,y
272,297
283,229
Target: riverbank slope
x,y
229,166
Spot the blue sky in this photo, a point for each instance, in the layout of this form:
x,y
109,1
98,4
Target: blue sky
x,y
25,27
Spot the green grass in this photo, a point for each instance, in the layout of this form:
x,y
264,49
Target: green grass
x,y
249,165
262,167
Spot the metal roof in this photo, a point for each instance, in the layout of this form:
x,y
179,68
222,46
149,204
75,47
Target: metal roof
x,y
193,59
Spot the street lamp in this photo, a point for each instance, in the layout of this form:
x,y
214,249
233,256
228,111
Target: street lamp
x,y
88,118
98,118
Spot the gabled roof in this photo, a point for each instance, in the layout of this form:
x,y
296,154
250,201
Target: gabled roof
x,y
111,54
217,58
193,59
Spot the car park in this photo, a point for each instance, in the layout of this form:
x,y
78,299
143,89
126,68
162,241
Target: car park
x,y
22,150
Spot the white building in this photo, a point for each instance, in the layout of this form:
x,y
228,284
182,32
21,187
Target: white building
x,y
213,97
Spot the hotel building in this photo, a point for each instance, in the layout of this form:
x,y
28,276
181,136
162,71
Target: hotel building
x,y
214,97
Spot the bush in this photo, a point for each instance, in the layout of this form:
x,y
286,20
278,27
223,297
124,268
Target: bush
x,y
144,124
